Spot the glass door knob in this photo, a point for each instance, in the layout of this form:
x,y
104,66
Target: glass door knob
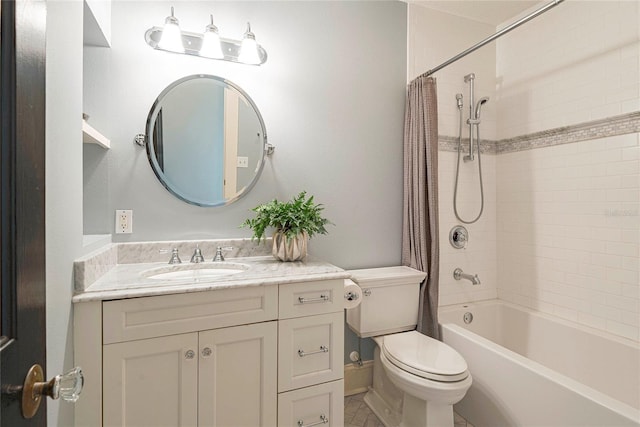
x,y
67,386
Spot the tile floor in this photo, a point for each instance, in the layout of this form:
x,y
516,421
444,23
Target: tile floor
x,y
358,414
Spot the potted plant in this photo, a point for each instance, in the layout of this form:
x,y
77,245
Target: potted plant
x,y
295,222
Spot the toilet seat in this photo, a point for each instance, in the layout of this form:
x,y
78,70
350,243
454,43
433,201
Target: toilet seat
x,y
424,357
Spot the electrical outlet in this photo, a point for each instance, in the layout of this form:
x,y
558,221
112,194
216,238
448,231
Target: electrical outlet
x,y
124,221
243,162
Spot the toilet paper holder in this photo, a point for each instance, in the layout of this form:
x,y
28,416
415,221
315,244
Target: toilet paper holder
x,y
351,296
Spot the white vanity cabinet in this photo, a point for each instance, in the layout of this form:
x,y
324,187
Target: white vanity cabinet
x,y
247,356
151,382
221,377
310,354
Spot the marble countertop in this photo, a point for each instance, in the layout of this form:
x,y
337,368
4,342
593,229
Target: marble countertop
x,y
128,281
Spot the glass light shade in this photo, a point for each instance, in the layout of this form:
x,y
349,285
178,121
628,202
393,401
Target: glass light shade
x,y
171,35
211,47
249,49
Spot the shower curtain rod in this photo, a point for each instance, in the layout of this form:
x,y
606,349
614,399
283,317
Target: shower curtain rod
x,y
493,37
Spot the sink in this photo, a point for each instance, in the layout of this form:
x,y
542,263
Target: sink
x,y
195,272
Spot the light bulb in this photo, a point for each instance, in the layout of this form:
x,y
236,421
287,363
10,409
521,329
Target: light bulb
x,y
171,35
211,47
249,49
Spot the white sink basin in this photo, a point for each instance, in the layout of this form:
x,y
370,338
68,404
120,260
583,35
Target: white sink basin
x,y
195,272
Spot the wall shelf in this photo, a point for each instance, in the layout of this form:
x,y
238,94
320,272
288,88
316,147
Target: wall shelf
x,y
92,136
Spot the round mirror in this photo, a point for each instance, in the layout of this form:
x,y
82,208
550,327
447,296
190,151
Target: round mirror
x,y
206,140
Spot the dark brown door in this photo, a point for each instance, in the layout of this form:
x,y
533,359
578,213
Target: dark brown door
x,y
22,185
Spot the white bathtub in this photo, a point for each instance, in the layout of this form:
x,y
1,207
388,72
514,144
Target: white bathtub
x,y
532,369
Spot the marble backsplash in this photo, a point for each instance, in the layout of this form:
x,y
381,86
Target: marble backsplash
x,y
92,266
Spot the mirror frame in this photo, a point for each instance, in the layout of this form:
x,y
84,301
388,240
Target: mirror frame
x,y
152,157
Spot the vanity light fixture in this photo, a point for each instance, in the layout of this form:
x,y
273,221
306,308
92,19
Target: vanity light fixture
x,y
171,38
249,49
208,44
211,47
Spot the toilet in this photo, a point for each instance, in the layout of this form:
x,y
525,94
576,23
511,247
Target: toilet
x,y
416,379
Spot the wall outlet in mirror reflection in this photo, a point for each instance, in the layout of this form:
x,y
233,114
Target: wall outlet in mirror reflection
x,y
243,162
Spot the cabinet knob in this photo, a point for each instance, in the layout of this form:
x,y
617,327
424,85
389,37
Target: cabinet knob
x,y
206,352
189,354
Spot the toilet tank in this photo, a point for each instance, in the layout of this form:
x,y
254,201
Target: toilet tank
x,y
390,300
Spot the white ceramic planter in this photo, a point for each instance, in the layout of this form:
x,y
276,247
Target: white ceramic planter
x,y
293,249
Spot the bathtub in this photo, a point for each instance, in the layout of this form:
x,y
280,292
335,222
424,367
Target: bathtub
x,y
533,369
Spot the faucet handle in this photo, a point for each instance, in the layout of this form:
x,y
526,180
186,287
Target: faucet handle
x,y
175,259
197,255
219,256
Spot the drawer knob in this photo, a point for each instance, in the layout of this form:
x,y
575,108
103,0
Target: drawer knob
x,y
321,298
323,420
323,349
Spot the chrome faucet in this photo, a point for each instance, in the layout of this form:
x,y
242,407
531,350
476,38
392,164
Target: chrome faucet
x,y
459,274
175,259
219,257
197,256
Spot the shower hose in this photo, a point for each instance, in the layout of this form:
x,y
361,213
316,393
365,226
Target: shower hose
x,y
455,189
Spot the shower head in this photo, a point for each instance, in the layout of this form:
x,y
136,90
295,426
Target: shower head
x,y
479,105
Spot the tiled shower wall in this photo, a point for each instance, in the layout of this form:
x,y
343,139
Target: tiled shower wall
x,y
561,226
568,221
568,231
577,62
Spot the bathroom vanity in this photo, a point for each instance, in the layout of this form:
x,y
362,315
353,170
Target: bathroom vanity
x,y
262,346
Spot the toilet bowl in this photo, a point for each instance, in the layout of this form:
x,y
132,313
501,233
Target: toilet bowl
x,y
431,375
416,379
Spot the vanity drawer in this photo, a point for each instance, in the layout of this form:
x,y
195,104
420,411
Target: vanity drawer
x,y
147,317
309,298
310,350
320,405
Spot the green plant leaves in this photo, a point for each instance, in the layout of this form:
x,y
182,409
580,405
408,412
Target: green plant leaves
x,y
292,217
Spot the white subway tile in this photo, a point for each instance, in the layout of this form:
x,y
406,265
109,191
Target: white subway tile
x,y
592,321
622,303
623,168
629,277
631,263
624,249
607,312
623,330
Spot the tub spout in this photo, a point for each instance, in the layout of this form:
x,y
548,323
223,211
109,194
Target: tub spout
x,y
458,274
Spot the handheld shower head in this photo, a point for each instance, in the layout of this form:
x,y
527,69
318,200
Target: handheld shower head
x,y
479,105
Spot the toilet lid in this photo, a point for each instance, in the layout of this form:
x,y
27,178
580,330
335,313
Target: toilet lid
x,y
424,356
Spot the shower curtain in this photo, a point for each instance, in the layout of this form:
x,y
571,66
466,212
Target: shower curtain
x,y
420,201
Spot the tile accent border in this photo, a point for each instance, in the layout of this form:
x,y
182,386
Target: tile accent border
x,y
450,143
611,126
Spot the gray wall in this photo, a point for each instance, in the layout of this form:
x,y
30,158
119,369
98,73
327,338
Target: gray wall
x,y
63,210
332,97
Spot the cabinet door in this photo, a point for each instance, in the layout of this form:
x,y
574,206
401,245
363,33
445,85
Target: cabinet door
x,y
151,382
237,382
319,405
310,350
